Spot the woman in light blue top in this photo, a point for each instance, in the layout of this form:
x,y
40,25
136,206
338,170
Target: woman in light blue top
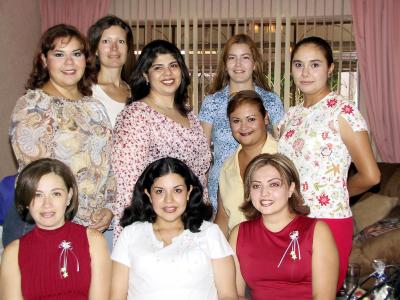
x,y
240,68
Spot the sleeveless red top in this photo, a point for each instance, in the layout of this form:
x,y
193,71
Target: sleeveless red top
x,y
55,264
277,265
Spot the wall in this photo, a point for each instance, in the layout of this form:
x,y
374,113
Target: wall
x,y
19,32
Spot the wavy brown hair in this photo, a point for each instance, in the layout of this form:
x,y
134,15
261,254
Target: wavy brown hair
x,y
222,77
289,174
40,74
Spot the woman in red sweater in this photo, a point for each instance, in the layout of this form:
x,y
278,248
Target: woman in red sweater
x,y
58,259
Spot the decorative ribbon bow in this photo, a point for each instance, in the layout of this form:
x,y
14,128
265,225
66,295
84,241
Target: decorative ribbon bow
x,y
294,245
66,247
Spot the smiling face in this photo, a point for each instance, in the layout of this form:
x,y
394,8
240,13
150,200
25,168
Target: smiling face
x,y
248,125
269,193
66,62
169,196
240,64
113,48
310,71
164,75
51,199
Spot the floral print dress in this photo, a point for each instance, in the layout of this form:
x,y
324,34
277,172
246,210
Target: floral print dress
x,y
76,132
310,137
143,135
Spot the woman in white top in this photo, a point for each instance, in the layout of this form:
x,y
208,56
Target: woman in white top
x,y
111,43
168,249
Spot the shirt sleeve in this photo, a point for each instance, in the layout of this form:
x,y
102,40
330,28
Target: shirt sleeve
x,y
120,252
274,106
353,116
207,110
218,245
131,143
32,128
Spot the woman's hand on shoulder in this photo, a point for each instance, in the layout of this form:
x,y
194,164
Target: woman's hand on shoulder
x,y
325,263
10,275
100,266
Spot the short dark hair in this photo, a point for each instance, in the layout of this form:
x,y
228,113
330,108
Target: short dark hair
x,y
141,209
94,35
28,181
40,74
140,88
322,44
246,96
289,174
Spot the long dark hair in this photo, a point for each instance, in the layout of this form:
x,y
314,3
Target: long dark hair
x,y
28,181
94,35
40,74
140,88
141,209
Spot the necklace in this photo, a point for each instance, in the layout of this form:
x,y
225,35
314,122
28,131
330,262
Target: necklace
x,y
168,234
162,107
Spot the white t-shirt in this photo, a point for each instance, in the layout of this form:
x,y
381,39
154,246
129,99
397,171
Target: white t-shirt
x,y
181,270
112,107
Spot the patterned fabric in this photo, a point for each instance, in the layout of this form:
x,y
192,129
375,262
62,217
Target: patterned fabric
x,y
143,135
277,265
231,184
311,138
179,271
213,111
78,133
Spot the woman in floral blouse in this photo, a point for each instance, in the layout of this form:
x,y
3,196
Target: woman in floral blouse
x,y
157,123
322,135
240,68
58,118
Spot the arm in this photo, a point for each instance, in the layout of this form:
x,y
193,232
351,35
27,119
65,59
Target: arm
x,y
325,263
10,275
207,128
224,275
240,283
221,218
119,281
360,150
131,142
31,129
100,266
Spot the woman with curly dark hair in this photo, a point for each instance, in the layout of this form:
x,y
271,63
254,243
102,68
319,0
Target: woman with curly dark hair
x,y
58,118
281,253
157,123
168,249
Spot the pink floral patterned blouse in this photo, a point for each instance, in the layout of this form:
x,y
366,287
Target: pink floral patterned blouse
x,y
311,138
143,135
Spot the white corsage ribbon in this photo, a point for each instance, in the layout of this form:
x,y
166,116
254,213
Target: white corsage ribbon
x,y
66,247
294,246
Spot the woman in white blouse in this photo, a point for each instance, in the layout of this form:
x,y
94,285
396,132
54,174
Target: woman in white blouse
x,y
168,249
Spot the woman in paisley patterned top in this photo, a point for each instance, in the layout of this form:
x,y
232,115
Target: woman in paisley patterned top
x,y
58,118
322,135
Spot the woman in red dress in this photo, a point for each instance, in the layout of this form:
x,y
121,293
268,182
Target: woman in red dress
x,y
58,259
281,253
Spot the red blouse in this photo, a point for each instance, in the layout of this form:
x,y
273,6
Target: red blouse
x,y
277,265
55,264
